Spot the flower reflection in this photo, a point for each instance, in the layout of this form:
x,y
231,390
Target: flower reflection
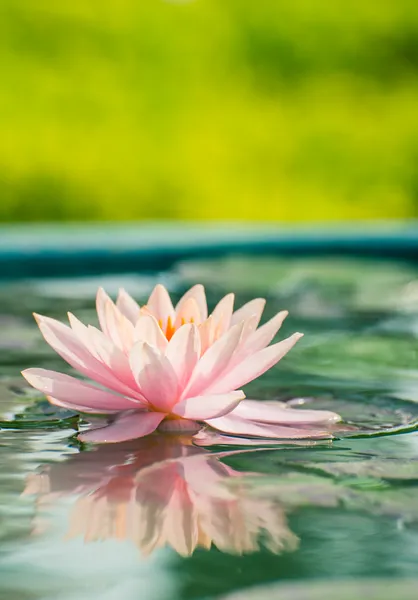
x,y
163,491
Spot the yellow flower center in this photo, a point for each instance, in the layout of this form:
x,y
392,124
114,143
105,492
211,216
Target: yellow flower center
x,y
170,328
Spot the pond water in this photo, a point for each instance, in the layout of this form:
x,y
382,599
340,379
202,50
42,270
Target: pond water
x,y
164,517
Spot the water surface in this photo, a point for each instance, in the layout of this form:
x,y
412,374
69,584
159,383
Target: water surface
x,y
163,518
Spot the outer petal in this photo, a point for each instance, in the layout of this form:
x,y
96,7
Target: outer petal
x,y
80,408
214,362
264,334
127,306
209,437
183,352
222,314
127,427
253,366
207,333
112,322
237,426
198,293
101,300
254,307
102,348
120,329
74,392
277,412
82,333
154,375
66,343
201,408
112,357
160,305
148,330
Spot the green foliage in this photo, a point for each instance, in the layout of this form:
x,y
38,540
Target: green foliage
x,y
294,110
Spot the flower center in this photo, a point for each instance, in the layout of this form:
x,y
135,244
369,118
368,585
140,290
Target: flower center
x,y
170,329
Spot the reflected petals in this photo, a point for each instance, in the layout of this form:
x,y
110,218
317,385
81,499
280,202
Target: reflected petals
x,y
160,492
127,427
208,407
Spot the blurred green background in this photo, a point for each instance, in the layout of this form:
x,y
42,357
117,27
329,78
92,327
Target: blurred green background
x,y
233,109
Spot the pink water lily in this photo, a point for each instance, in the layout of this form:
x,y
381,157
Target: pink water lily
x,y
172,368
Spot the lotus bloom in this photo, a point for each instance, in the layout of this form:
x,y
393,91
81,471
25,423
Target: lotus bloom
x,y
160,491
171,368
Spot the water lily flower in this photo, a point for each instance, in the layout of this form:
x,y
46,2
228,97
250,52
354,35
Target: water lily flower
x,y
172,368
160,491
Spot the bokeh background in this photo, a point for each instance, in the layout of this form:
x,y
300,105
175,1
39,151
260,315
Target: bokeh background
x,y
232,109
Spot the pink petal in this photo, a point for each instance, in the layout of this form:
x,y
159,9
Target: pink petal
x,y
214,362
237,426
66,343
279,413
80,408
127,427
127,306
207,334
112,357
207,437
264,334
154,375
82,333
197,292
148,330
188,313
160,305
101,301
120,329
102,348
74,392
250,325
201,408
183,352
254,307
222,314
253,366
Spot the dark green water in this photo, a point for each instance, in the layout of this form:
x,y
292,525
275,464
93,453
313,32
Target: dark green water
x,y
310,520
